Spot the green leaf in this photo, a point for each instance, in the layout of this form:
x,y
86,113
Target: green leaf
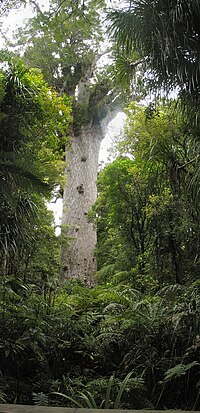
x,y
179,370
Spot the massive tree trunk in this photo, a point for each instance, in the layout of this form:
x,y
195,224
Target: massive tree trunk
x,y
80,193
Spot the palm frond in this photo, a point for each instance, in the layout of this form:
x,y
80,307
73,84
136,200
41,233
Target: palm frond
x,y
166,35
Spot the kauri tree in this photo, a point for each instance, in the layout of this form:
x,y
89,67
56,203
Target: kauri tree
x,y
64,43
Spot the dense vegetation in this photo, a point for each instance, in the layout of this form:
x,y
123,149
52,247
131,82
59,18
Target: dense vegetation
x,y
132,341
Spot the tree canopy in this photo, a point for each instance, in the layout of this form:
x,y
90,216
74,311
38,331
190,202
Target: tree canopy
x,y
166,36
63,41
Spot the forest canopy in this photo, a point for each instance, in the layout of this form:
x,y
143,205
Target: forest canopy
x,y
130,339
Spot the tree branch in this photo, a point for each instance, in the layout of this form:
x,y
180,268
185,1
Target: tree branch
x,y
188,163
36,6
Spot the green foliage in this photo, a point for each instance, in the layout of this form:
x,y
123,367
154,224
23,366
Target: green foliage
x,y
34,126
64,42
132,341
106,273
81,117
70,38
106,403
87,342
168,44
145,219
179,370
120,208
40,399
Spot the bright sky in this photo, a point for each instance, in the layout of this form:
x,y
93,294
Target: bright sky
x,y
14,20
115,128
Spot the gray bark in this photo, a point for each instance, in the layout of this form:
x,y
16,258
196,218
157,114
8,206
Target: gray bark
x,y
80,193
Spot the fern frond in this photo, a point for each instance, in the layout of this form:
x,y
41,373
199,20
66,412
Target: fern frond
x,y
40,399
179,370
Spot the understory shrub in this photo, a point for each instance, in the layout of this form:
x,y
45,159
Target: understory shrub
x,y
86,336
